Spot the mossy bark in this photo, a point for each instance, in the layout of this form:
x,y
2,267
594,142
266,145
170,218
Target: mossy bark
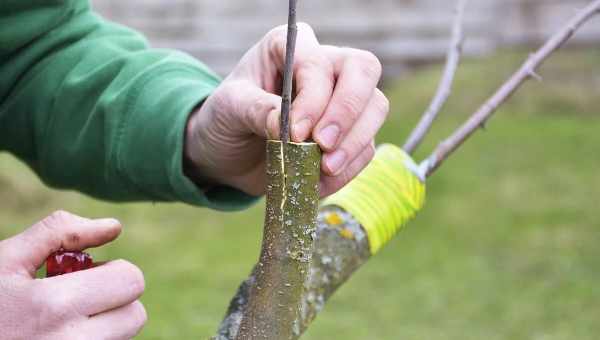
x,y
273,296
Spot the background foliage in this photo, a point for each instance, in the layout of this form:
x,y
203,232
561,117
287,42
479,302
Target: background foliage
x,y
506,248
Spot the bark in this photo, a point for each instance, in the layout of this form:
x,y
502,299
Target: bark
x,y
340,248
288,73
268,303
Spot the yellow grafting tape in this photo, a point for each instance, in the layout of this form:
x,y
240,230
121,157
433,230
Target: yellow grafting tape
x,y
384,196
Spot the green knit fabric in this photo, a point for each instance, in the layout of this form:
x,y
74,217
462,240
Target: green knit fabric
x,y
90,107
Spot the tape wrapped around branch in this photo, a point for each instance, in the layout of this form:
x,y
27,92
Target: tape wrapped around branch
x,y
384,196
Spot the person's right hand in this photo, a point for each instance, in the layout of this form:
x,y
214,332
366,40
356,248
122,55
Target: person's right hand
x,y
97,303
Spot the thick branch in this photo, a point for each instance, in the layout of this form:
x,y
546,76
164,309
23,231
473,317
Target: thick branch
x,y
445,86
288,73
274,294
527,70
340,248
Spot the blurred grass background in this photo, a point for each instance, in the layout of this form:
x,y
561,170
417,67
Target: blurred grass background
x,y
506,248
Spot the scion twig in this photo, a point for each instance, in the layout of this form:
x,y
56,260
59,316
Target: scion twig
x,y
445,85
288,73
527,70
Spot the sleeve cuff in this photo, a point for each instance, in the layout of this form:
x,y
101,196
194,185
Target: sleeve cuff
x,y
151,148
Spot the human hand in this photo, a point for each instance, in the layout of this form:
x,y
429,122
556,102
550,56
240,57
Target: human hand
x,y
337,105
97,303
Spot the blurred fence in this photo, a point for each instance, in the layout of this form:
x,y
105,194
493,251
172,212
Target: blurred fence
x,y
401,32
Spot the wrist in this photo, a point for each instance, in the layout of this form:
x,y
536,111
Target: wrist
x,y
192,164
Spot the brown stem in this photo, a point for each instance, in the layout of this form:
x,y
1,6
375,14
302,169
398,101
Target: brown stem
x,y
445,86
288,73
273,294
527,70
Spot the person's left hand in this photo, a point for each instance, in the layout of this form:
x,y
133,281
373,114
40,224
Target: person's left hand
x,y
337,104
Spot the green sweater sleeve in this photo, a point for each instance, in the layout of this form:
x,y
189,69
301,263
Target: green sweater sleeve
x,y
90,107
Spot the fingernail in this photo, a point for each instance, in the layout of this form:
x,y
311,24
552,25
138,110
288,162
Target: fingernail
x,y
301,130
328,136
335,161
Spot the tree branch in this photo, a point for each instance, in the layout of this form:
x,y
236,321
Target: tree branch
x,y
274,293
527,70
288,73
445,86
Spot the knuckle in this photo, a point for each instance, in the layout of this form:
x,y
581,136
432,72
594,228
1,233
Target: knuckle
x,y
57,220
304,27
54,220
314,61
371,65
222,103
133,275
350,106
48,305
222,96
357,145
259,107
71,238
360,147
316,65
59,225
59,216
276,37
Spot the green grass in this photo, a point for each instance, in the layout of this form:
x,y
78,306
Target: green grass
x,y
506,247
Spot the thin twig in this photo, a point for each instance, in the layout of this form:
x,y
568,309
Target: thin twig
x,y
527,70
288,73
445,86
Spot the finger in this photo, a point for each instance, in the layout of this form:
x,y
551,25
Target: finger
x,y
358,75
258,109
360,136
331,184
314,83
96,290
30,249
314,79
121,323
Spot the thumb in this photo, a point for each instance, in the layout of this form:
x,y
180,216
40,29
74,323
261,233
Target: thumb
x,y
30,249
258,111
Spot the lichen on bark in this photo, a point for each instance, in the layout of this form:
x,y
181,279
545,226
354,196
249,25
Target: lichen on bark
x,y
273,294
340,248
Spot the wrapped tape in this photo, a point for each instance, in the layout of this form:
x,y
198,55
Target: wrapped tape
x,y
384,196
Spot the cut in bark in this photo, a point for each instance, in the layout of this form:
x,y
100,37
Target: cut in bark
x,y
268,305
